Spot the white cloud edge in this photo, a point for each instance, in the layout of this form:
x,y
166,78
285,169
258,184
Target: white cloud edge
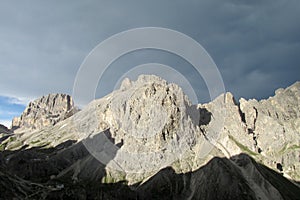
x,y
13,99
6,123
19,100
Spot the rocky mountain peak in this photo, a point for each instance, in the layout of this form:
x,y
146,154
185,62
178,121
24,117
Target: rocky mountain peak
x,y
45,111
149,136
148,115
149,104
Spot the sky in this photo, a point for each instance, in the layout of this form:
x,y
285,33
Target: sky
x,y
255,44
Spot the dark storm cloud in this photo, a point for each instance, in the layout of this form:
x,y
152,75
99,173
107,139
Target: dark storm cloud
x,y
255,44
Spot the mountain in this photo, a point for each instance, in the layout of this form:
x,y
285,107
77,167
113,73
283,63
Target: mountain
x,y
147,141
45,111
4,130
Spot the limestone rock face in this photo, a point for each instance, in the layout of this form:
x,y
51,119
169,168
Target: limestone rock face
x,y
150,124
16,122
151,121
226,125
45,111
275,126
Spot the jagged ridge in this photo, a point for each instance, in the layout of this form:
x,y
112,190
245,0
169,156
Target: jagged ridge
x,y
182,136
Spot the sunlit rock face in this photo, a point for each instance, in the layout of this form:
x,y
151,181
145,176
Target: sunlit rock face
x,y
45,111
274,124
148,135
153,122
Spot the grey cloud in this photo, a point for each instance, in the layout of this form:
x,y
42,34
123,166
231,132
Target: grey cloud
x,y
254,43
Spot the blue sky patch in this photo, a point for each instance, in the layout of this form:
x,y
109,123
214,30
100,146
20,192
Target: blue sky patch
x,y
9,107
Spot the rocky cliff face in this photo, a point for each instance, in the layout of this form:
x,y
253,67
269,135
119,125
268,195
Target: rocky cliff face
x,y
147,125
268,130
150,119
45,111
274,125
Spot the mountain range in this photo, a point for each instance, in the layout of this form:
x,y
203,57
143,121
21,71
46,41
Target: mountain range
x,y
146,140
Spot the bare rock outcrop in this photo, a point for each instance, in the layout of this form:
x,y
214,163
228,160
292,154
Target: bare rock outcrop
x,y
274,124
45,111
150,124
151,120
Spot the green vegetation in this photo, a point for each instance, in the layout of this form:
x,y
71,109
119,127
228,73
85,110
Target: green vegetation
x,y
243,147
283,149
294,147
44,144
36,141
287,148
11,139
108,178
15,145
176,164
6,142
2,146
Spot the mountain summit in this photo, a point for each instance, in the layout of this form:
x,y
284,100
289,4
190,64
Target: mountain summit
x,y
45,111
146,141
